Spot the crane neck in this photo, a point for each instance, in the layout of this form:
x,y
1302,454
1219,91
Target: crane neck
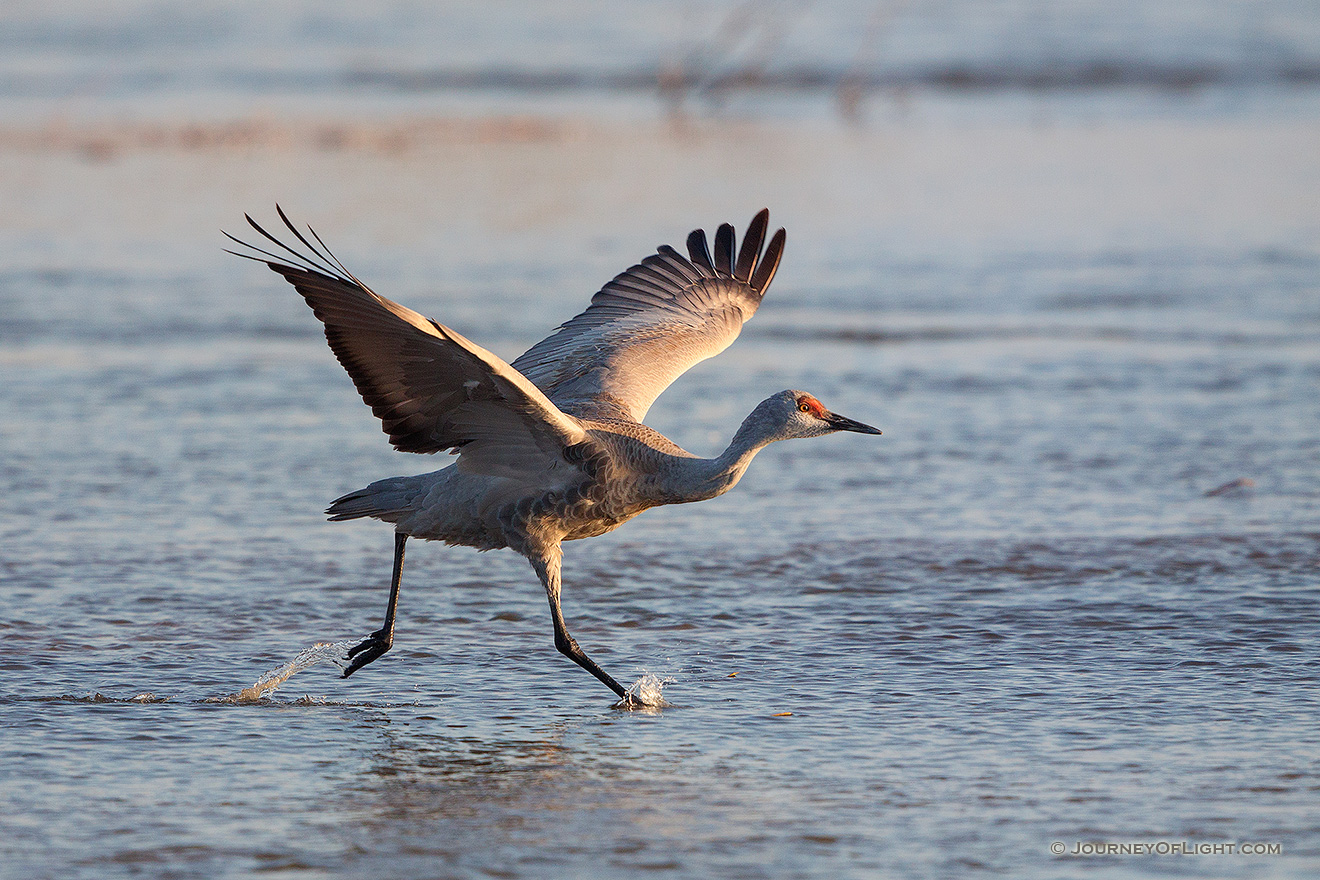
x,y
709,477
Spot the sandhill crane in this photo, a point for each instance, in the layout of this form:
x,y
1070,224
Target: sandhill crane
x,y
550,448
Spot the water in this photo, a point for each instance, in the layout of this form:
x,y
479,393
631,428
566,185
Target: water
x,y
1066,257
321,652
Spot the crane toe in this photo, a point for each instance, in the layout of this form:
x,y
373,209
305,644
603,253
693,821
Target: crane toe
x,y
368,650
631,701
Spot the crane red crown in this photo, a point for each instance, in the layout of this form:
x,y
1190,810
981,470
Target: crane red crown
x,y
813,406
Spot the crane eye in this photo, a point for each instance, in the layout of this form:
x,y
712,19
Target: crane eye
x,y
802,407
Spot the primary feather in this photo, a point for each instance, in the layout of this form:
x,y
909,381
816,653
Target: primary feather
x,y
432,389
652,323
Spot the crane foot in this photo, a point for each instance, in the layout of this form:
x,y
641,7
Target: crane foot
x,y
630,702
368,649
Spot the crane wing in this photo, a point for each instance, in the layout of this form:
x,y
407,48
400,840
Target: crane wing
x,y
653,322
431,388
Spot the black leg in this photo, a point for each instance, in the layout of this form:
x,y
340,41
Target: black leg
x,y
547,569
568,646
380,641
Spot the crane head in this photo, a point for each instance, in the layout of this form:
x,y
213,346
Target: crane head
x,y
800,414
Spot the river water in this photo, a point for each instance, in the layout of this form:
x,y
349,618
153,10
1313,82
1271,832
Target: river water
x,y
1066,257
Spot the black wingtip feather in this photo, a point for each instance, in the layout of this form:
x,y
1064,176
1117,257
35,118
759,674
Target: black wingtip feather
x,y
271,260
753,266
724,249
769,264
751,246
302,259
324,254
319,260
699,251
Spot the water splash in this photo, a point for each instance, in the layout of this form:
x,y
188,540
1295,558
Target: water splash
x,y
148,697
335,652
646,693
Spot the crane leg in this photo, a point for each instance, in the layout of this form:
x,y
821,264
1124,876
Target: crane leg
x,y
548,571
380,641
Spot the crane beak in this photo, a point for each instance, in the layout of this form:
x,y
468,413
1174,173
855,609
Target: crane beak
x,y
839,423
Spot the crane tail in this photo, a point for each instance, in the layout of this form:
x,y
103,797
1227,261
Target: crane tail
x,y
388,500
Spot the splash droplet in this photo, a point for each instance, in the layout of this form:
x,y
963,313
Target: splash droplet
x,y
646,693
321,651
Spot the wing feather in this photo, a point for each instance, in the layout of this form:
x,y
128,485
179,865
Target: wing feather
x,y
650,324
724,249
765,270
432,388
700,252
751,247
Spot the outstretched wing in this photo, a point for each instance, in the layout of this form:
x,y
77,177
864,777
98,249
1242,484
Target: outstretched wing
x,y
653,322
431,388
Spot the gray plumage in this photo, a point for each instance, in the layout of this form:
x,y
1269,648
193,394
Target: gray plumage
x,y
550,448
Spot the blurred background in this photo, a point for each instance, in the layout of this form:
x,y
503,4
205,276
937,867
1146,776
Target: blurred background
x,y
1065,254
